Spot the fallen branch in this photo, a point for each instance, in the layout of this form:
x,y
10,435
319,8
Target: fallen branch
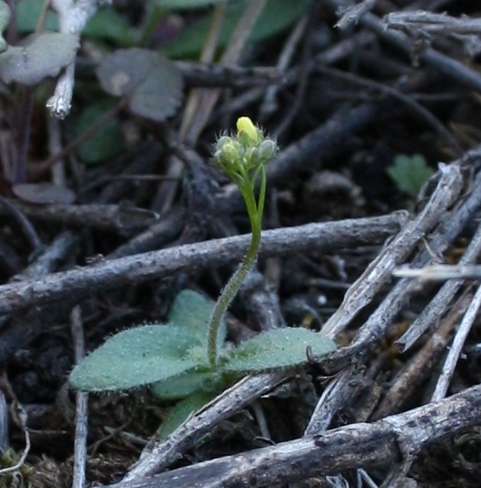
x,y
392,439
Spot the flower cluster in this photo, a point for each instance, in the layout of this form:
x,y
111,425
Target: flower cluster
x,y
247,150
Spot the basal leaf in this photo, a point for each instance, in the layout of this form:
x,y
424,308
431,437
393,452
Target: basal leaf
x,y
40,56
276,349
136,357
181,412
152,83
186,384
192,310
4,19
276,16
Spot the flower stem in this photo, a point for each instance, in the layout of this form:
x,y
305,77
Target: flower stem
x,y
255,211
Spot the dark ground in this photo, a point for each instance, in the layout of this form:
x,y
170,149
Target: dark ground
x,y
346,106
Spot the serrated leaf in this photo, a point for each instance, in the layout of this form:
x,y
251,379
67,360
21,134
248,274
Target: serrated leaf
x,y
181,412
185,4
4,20
136,357
410,173
40,56
152,83
275,349
186,384
192,310
275,16
106,143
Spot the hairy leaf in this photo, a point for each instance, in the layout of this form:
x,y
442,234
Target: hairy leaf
x,y
152,83
275,349
41,55
190,309
4,19
136,357
186,384
181,412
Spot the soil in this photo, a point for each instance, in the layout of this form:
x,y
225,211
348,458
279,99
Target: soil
x,y
363,122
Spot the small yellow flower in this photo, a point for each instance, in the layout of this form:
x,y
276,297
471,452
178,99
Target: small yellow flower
x,y
246,126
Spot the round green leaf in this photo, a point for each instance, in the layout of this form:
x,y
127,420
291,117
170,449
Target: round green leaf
x,y
136,357
40,56
275,349
152,83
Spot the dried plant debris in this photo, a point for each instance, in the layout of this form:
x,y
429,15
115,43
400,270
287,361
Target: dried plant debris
x,y
146,149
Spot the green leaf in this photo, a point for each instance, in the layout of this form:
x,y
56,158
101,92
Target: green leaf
x,y
152,83
276,16
41,55
107,24
410,173
27,13
184,4
182,411
275,349
106,143
4,20
186,384
136,357
192,310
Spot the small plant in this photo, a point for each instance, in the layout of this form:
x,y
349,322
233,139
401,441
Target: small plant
x,y
410,173
187,358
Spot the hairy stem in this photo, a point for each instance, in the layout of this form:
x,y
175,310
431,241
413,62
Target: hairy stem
x,y
236,280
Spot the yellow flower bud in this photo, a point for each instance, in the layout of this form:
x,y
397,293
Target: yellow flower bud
x,y
246,126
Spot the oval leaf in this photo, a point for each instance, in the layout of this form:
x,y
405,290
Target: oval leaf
x,y
186,384
182,411
193,311
276,349
40,56
135,357
276,16
152,83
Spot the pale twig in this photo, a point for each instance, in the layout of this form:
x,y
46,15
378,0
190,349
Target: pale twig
x,y
440,272
22,418
458,342
432,23
73,18
351,15
81,401
440,302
